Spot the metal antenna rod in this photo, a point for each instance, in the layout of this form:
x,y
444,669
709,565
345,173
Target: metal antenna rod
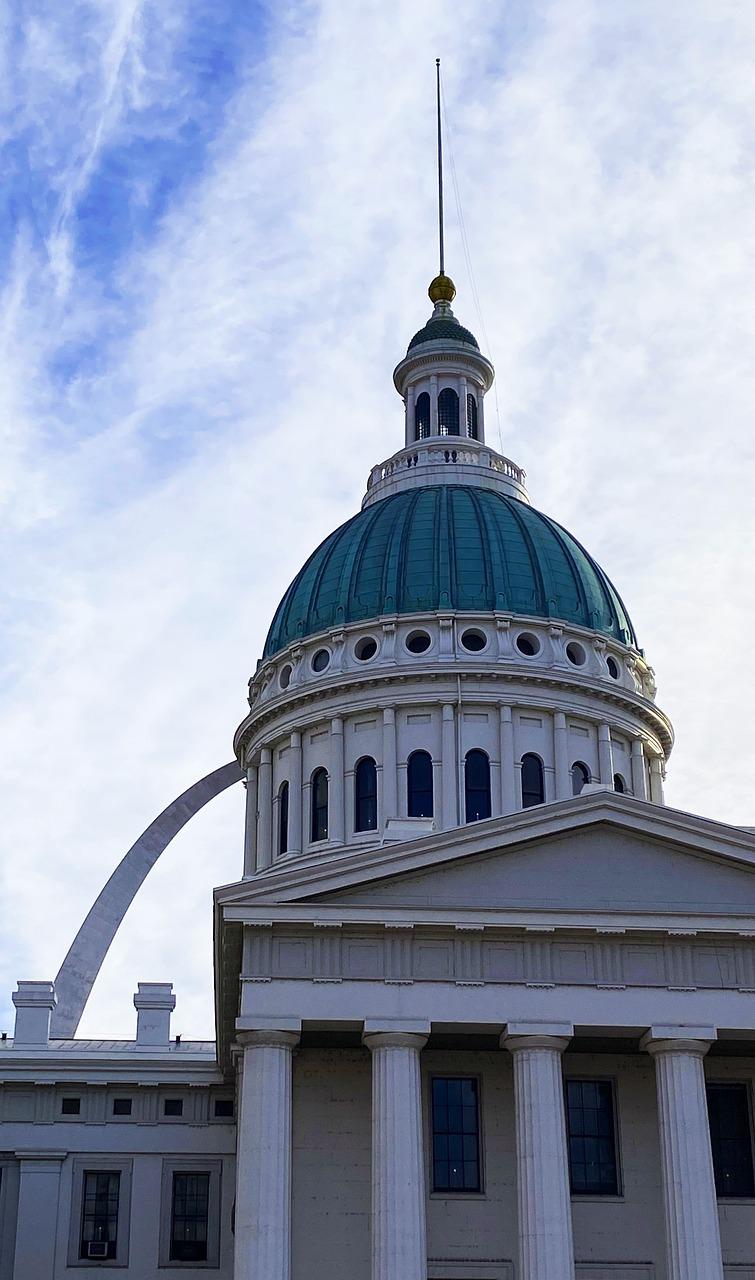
x,y
440,171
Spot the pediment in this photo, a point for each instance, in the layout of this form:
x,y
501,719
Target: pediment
x,y
602,868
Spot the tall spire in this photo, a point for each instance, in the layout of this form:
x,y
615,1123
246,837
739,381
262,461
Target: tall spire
x,y
442,289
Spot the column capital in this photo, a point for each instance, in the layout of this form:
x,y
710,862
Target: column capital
x,y
536,1035
396,1033
678,1039
270,1039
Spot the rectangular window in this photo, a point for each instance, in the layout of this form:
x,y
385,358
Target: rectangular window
x,y
189,1217
731,1139
223,1108
456,1134
173,1107
593,1169
121,1106
99,1215
70,1106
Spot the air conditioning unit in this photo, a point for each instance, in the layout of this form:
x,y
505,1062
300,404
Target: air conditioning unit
x,y
97,1249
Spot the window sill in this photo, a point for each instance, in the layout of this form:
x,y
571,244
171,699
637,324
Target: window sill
x,y
458,1195
727,1200
594,1198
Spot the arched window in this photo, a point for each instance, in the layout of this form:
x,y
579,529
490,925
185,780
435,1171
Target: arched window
x,y
580,774
448,412
471,416
319,805
419,785
422,417
365,795
618,783
283,818
533,781
476,785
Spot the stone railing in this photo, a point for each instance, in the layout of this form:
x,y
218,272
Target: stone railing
x,y
451,452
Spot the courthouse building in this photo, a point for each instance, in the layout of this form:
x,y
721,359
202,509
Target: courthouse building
x,y
485,1006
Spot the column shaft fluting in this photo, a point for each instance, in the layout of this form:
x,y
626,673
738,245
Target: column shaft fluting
x,y
295,831
389,789
561,755
605,754
546,1251
250,824
693,1244
399,1234
639,779
336,819
265,809
263,1159
449,775
508,771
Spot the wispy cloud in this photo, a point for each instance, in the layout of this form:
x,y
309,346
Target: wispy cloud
x,y
217,248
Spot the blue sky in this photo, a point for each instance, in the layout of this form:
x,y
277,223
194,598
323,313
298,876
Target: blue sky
x,y
216,233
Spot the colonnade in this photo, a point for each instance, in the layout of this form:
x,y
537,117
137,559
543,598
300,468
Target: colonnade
x,y
448,773
399,1189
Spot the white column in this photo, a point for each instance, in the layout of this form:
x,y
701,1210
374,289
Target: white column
x,y
561,756
481,417
508,772
434,404
336,821
449,776
639,780
463,407
656,780
605,755
389,789
546,1251
263,1158
294,795
693,1245
411,399
265,809
250,826
399,1234
37,1214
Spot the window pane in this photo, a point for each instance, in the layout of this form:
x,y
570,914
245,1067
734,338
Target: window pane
x,y
456,1139
731,1139
365,795
477,786
448,412
99,1217
533,786
419,782
591,1137
283,819
422,416
188,1226
319,805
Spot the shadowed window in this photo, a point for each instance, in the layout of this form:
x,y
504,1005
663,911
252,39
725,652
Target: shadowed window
x,y
188,1220
319,805
731,1139
618,783
365,795
422,417
99,1219
472,417
591,1138
476,786
533,782
419,785
283,818
580,774
456,1135
448,412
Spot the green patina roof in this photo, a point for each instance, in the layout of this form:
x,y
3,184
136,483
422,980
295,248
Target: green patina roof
x,y
443,327
448,547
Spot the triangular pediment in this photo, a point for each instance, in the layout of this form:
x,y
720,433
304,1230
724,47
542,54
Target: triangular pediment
x,y
603,854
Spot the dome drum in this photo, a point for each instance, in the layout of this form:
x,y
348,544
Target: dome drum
x,y
445,460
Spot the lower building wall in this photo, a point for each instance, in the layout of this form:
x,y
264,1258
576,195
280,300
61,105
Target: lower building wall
x,y
473,1237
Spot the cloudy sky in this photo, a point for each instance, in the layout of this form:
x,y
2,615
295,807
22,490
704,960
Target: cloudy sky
x,y
217,227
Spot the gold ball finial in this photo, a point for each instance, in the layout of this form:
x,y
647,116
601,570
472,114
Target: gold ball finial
x,y
442,289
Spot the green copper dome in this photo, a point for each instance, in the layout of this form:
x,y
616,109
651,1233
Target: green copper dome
x,y
448,547
443,327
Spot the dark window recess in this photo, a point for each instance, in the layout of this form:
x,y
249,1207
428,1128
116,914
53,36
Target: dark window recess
x,y
731,1139
173,1107
70,1106
422,416
533,781
456,1135
448,412
365,795
283,818
99,1217
188,1220
223,1108
121,1106
419,785
580,775
471,416
591,1137
476,786
319,805
619,783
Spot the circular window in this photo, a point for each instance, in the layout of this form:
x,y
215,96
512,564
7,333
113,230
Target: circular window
x,y
474,641
284,679
365,649
321,660
613,667
418,642
576,654
528,644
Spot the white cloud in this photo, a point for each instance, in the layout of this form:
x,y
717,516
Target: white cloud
x,y
159,500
